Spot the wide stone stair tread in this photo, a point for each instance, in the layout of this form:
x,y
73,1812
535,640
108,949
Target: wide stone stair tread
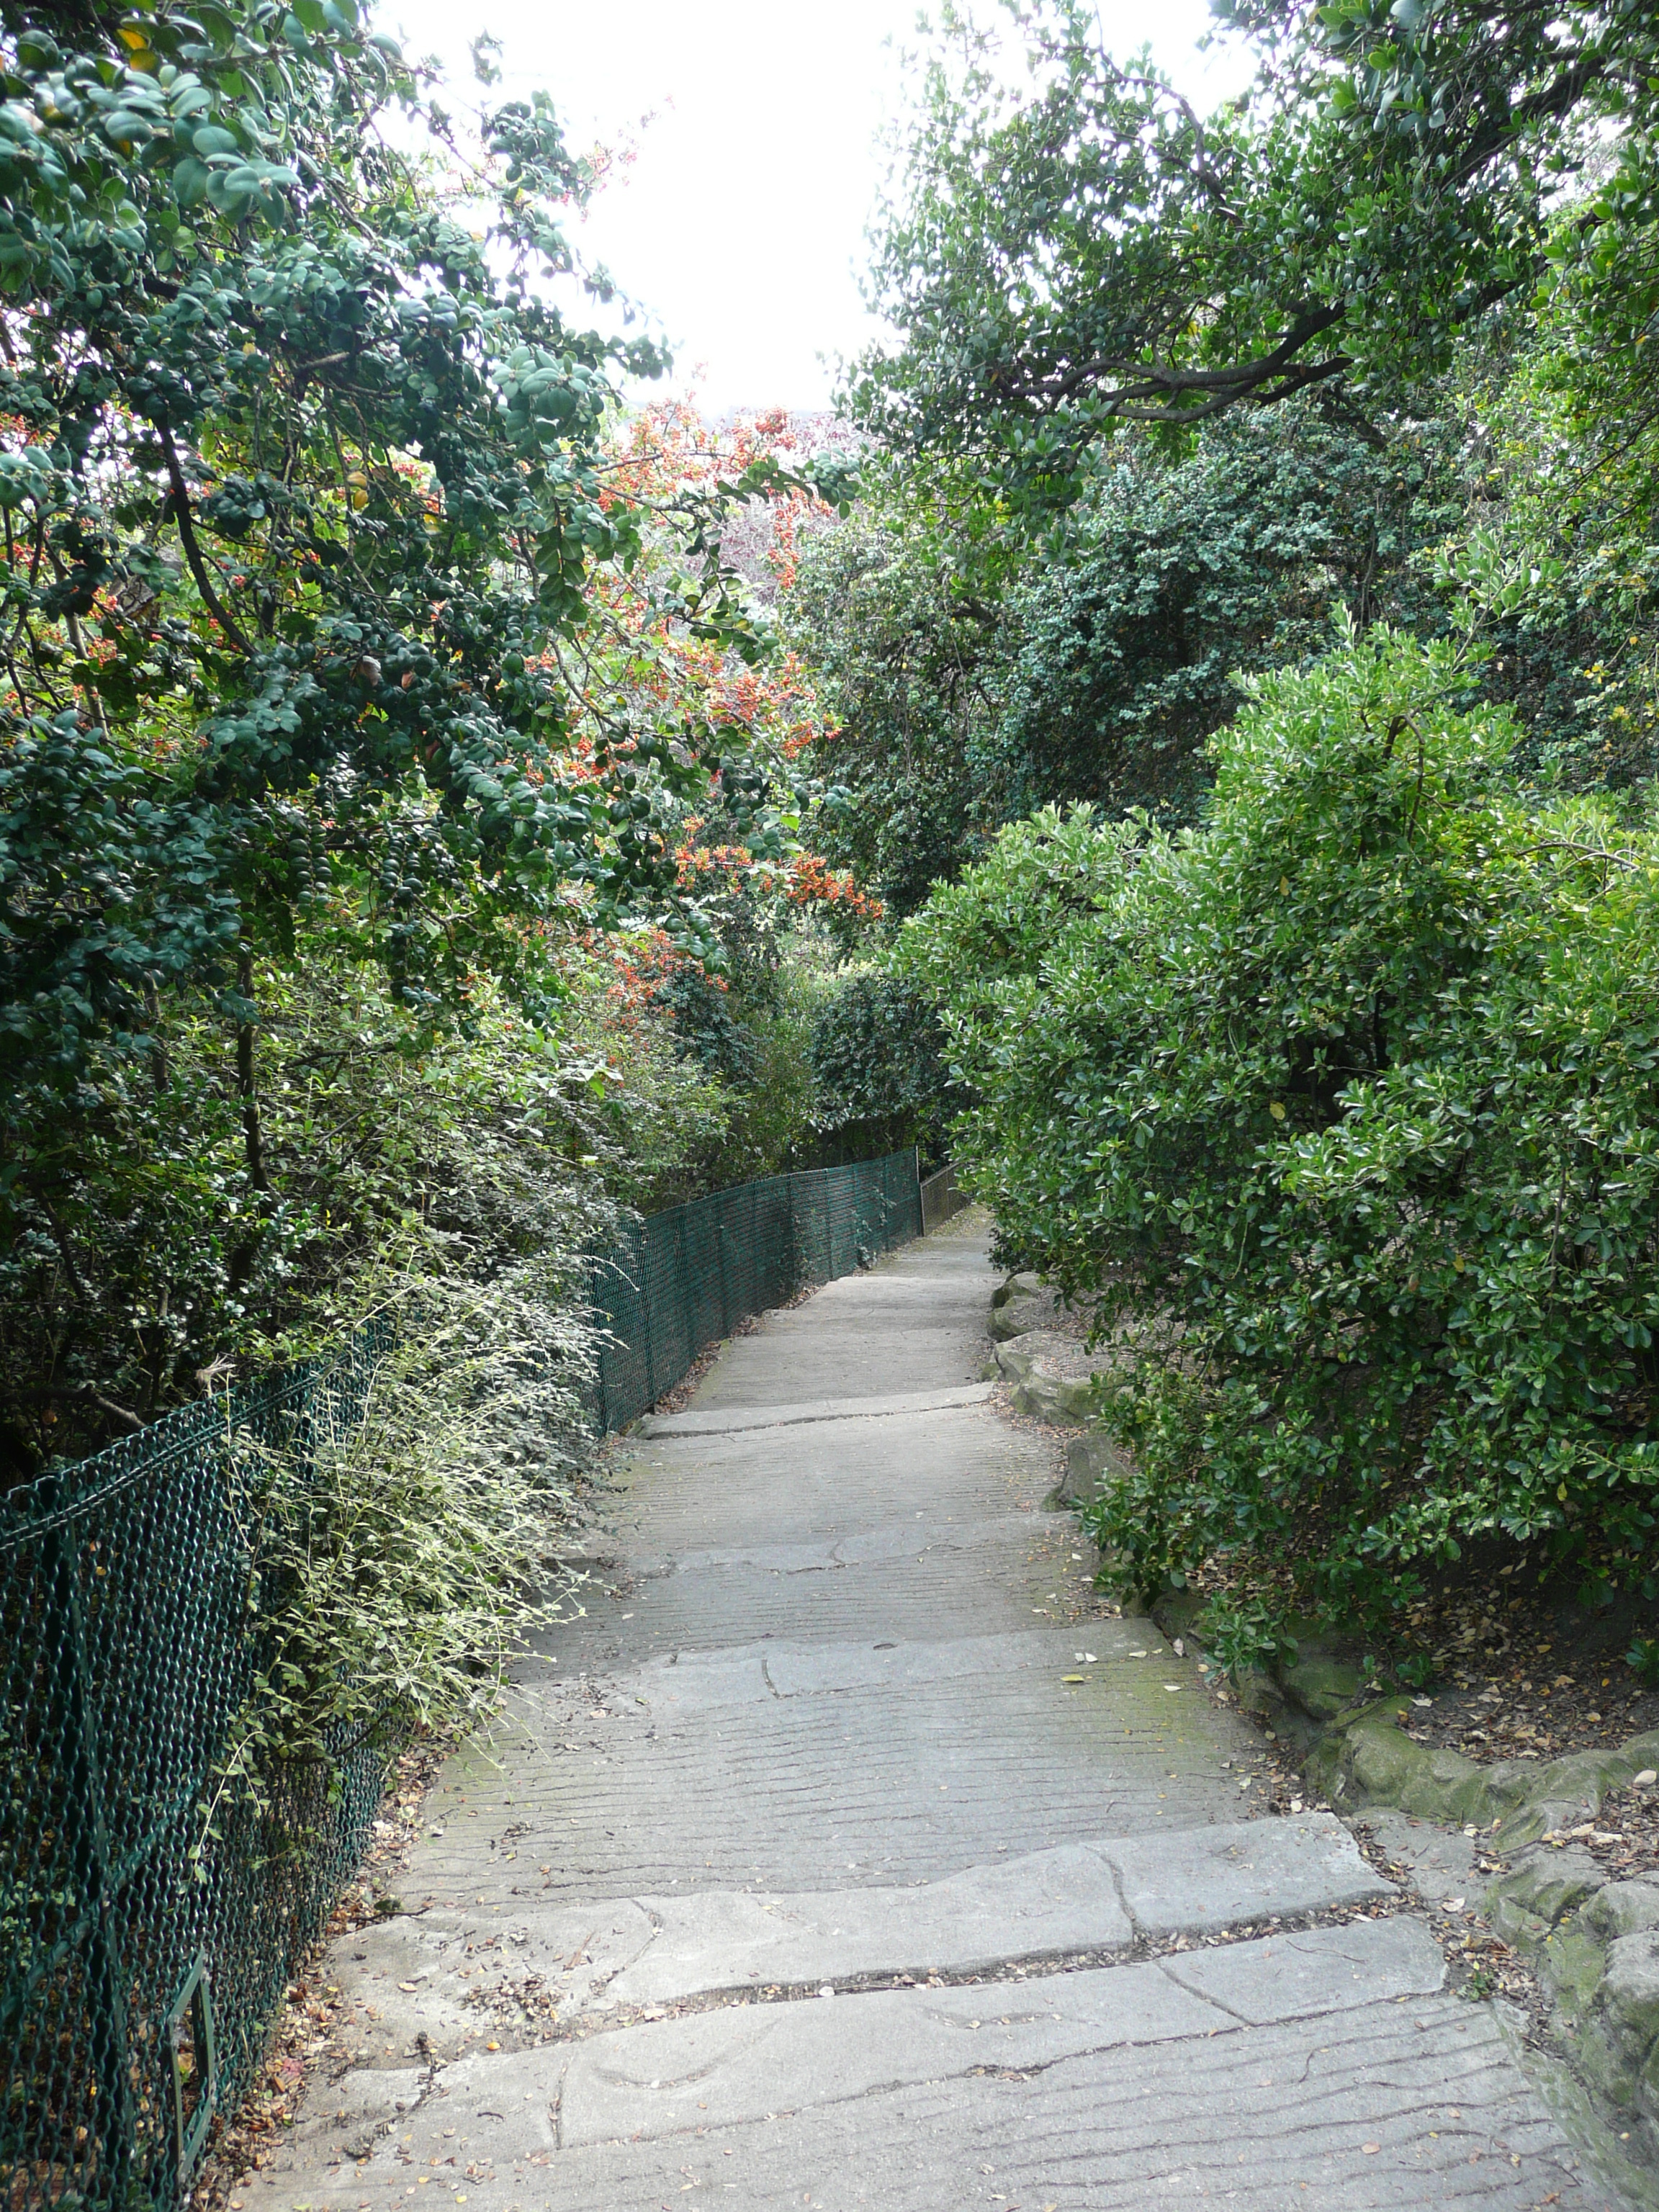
x,y
661,1948
1301,2059
733,1420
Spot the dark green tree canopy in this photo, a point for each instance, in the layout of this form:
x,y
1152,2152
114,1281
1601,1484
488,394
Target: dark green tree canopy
x,y
902,658
1095,254
969,688
1168,582
301,485
879,1053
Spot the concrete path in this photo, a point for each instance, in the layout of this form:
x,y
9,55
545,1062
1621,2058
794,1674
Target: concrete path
x,y
823,1864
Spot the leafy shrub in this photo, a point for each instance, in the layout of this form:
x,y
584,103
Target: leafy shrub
x,y
1344,1107
878,1052
400,1560
141,1260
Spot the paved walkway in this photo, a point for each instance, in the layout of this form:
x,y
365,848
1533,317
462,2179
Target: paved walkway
x,y
822,1865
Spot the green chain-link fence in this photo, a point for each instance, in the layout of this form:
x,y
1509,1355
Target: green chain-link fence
x,y
147,1926
146,1930
683,1280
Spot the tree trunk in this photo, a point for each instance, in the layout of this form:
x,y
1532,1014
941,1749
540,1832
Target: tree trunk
x,y
245,1085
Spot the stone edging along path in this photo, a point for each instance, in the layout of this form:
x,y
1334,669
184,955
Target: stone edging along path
x,y
1593,1941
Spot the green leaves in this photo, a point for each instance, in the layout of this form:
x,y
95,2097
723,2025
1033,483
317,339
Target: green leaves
x,y
878,1054
395,1558
26,474
321,394
1344,1107
304,518
1093,253
978,673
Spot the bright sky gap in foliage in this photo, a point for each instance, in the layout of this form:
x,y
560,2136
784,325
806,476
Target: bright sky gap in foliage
x,y
738,223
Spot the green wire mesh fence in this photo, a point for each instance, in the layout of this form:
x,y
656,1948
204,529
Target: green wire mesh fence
x,y
941,1201
681,1281
149,1920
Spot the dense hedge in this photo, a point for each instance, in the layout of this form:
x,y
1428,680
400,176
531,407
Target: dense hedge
x,y
878,1056
1344,1107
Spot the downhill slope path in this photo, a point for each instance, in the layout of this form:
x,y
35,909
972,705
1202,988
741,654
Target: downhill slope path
x,y
818,1863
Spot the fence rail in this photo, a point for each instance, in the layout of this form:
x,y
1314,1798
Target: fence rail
x,y
146,1931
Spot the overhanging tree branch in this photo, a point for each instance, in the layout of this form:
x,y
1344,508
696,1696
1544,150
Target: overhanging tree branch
x,y
180,503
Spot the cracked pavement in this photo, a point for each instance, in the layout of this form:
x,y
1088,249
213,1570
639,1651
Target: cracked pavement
x,y
826,1862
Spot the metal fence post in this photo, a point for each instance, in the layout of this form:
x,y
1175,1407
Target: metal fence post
x,y
720,1214
83,1817
642,1299
601,1353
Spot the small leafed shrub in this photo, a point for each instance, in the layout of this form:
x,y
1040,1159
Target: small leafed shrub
x,y
401,1558
1344,1107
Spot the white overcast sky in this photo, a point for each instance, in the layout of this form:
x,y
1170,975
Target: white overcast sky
x,y
740,225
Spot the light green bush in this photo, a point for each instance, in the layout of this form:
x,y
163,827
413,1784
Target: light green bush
x,y
402,1554
1347,1101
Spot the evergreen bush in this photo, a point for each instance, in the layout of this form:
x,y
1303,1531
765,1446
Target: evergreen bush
x,y
1343,1106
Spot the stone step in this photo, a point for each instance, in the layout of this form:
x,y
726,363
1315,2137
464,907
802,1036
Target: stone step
x,y
890,1543
735,1420
1079,1897
739,2064
694,1681
778,1481
791,1763
424,1974
1325,2068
